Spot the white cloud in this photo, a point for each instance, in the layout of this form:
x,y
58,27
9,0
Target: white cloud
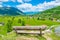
x,y
21,1
3,0
1,6
57,0
8,6
26,7
29,7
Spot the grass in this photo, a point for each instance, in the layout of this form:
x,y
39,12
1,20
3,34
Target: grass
x,y
54,36
10,36
28,21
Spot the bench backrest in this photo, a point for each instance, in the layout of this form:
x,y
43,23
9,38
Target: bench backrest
x,y
28,28
38,28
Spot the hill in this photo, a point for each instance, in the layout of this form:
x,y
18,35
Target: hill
x,y
10,11
31,13
50,13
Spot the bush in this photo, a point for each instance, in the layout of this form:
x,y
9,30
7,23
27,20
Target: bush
x,y
23,23
19,20
9,26
13,18
38,18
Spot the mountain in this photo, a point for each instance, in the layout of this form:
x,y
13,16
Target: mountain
x,y
10,11
50,13
30,13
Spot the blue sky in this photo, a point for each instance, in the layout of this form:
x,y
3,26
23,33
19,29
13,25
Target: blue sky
x,y
36,2
30,5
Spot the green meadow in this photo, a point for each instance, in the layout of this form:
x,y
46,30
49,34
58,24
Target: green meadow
x,y
10,21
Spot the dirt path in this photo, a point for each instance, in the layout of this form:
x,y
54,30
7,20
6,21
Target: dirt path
x,y
26,38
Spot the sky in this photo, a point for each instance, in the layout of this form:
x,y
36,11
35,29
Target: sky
x,y
30,5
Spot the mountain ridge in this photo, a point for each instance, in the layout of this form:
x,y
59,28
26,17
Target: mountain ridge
x,y
10,11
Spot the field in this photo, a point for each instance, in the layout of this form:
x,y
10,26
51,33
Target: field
x,y
23,21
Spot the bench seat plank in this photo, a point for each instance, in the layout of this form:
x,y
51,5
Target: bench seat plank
x,y
28,32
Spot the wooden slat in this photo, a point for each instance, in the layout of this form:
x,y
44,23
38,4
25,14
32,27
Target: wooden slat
x,y
28,32
28,28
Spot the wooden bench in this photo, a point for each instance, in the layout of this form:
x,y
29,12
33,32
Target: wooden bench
x,y
30,29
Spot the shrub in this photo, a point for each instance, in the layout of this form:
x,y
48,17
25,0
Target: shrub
x,y
23,23
9,26
13,18
19,20
38,18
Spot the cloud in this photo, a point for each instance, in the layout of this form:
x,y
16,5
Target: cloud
x,y
57,0
26,0
8,6
11,0
1,6
30,8
3,0
24,7
21,1
27,7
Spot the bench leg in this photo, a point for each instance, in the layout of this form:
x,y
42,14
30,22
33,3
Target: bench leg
x,y
40,32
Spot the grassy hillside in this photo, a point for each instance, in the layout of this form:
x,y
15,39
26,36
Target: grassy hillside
x,y
50,13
